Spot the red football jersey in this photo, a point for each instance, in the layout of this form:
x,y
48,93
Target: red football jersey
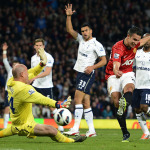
x,y
122,54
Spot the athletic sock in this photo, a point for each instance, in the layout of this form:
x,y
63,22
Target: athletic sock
x,y
122,123
60,128
6,119
78,115
88,114
54,111
142,121
128,97
148,111
61,138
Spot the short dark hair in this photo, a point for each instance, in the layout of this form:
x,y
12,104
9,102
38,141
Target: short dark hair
x,y
15,61
135,30
86,24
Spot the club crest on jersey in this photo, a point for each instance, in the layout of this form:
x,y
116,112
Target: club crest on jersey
x,y
31,91
134,50
116,56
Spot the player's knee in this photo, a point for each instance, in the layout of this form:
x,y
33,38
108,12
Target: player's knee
x,y
144,108
137,110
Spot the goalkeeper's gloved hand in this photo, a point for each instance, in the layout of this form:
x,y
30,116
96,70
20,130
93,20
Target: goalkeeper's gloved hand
x,y
63,104
42,56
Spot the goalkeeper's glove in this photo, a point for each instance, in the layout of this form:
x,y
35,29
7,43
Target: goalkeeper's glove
x,y
63,104
42,56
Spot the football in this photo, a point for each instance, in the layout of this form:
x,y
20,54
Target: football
x,y
63,116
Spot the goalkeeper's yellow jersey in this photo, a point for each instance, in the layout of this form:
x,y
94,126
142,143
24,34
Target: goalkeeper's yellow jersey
x,y
21,96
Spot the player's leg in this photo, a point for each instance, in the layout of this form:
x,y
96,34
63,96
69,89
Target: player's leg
x,y
128,85
114,89
6,116
7,132
139,97
47,130
54,110
79,95
6,110
121,119
88,115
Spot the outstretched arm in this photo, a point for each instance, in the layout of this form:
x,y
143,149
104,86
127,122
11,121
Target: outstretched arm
x,y
144,40
5,61
69,27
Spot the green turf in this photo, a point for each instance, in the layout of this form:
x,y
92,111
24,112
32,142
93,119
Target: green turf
x,y
105,140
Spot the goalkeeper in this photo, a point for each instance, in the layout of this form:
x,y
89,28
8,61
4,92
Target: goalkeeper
x,y
21,95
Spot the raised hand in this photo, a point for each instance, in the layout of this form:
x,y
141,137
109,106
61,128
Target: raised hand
x,y
68,10
42,55
4,46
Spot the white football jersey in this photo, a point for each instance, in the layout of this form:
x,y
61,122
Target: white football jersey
x,y
142,63
88,52
8,69
45,82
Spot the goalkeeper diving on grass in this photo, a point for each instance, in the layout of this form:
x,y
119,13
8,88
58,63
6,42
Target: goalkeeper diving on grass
x,y
21,95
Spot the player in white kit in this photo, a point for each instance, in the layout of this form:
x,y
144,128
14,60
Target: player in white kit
x,y
9,75
141,95
89,50
43,82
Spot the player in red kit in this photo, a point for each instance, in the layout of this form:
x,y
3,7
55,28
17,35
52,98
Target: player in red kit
x,y
120,76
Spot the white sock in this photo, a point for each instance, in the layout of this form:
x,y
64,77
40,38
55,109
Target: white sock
x,y
78,115
54,111
6,119
148,111
60,128
88,114
142,121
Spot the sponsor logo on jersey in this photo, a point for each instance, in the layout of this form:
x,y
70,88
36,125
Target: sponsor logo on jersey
x,y
134,50
143,68
83,54
31,91
116,56
128,62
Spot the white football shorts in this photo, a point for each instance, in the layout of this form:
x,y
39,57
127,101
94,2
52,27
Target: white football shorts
x,y
117,84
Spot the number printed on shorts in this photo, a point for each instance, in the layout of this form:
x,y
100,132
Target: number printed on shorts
x,y
147,98
81,84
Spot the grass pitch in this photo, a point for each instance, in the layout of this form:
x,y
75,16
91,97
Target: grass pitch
x,y
105,140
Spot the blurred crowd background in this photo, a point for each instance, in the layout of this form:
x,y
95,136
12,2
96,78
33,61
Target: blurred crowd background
x,y
22,21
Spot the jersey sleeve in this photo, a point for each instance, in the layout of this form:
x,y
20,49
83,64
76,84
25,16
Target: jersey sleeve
x,y
34,71
100,50
30,95
50,61
117,53
79,38
7,65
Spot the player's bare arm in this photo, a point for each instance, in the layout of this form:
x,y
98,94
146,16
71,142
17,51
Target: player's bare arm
x,y
144,40
4,48
101,63
116,70
69,26
43,74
